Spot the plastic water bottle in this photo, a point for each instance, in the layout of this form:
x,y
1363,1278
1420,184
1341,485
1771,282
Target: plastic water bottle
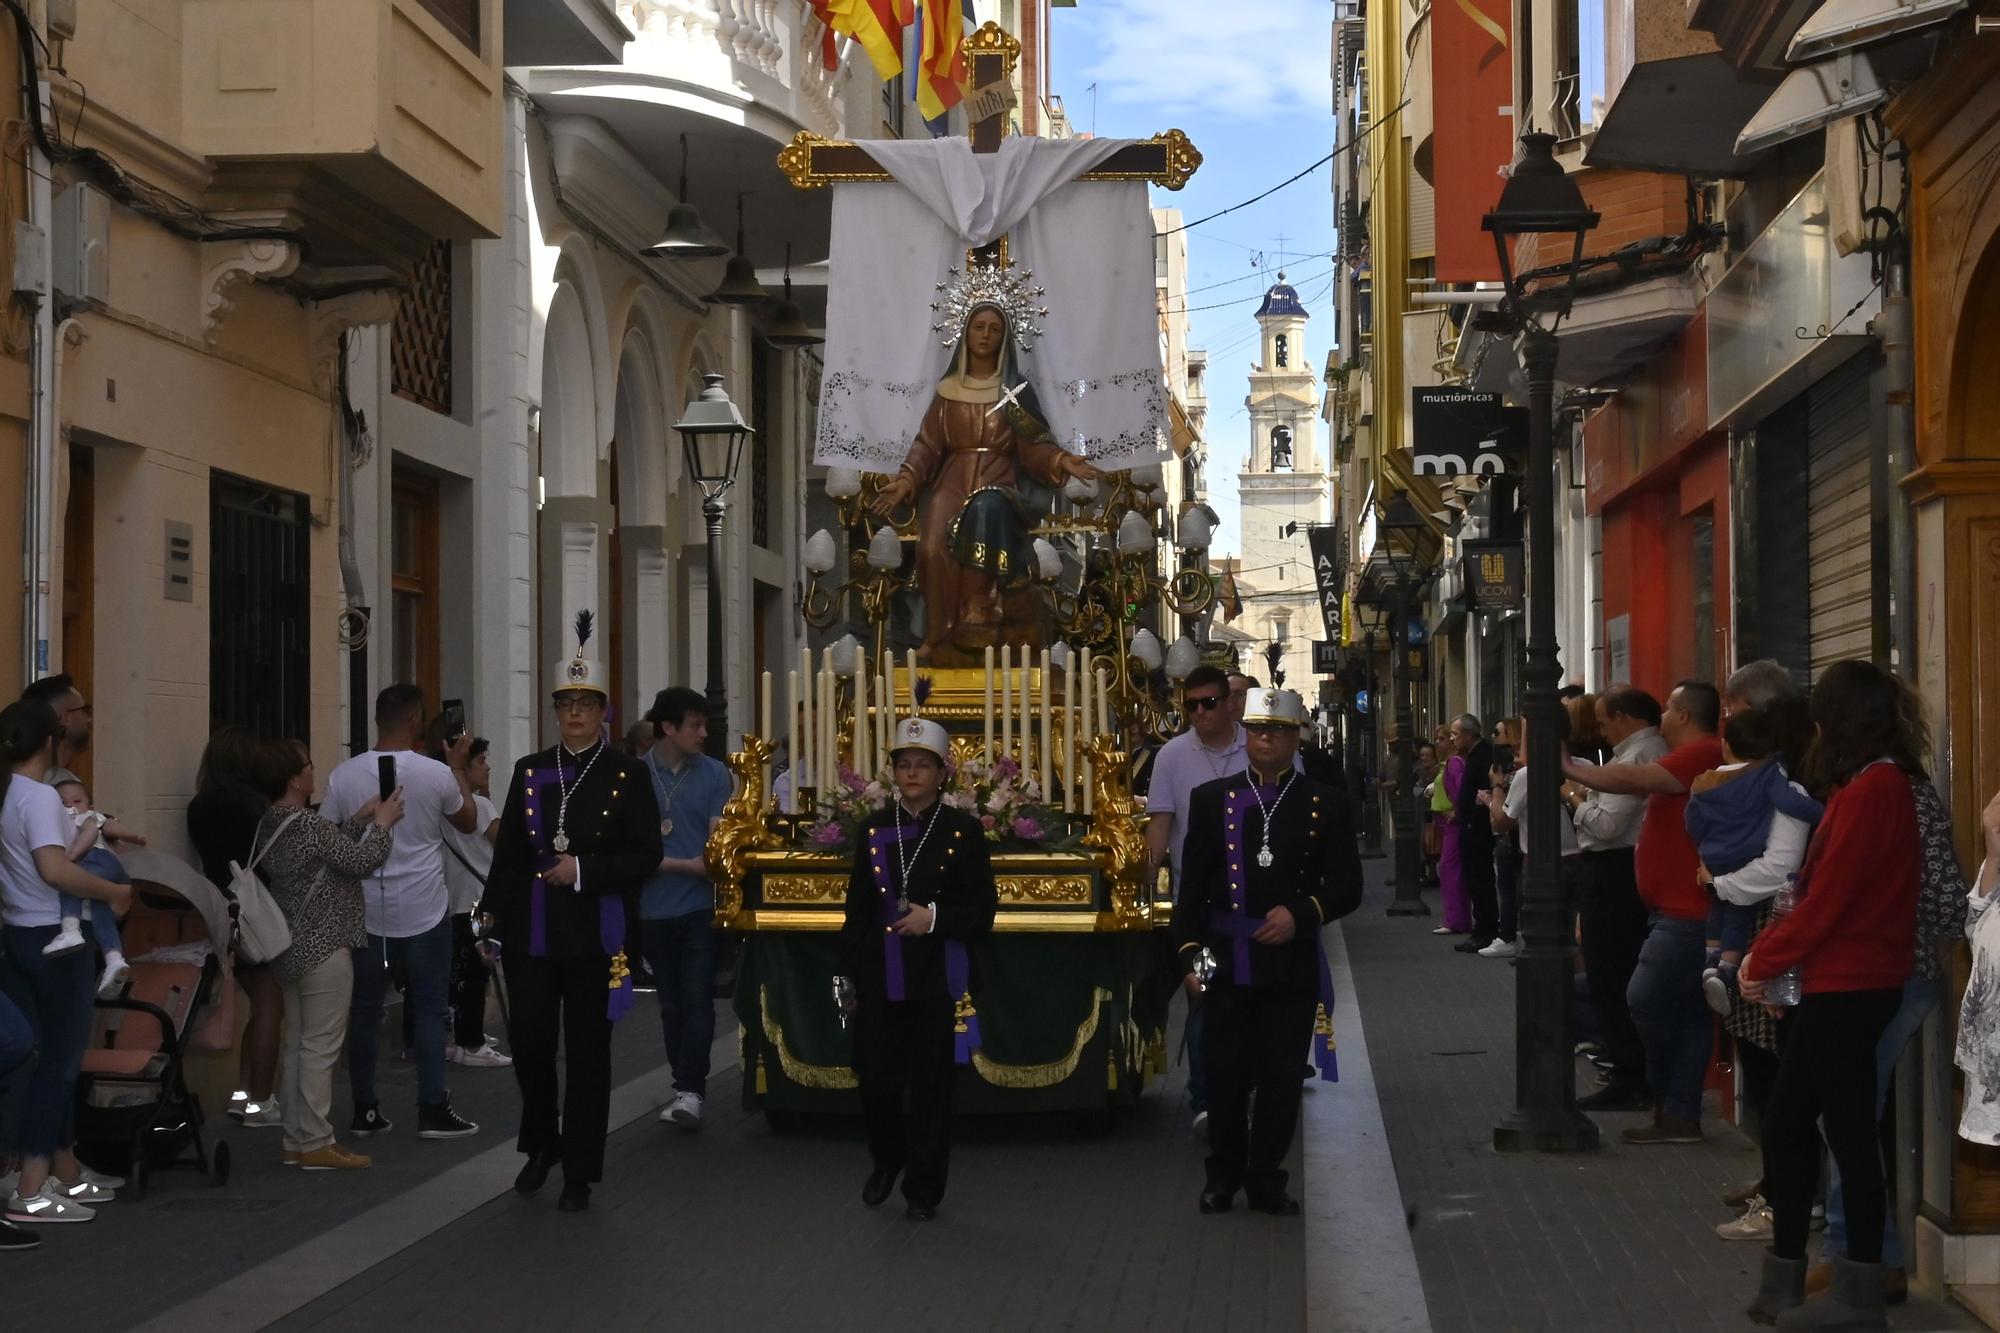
x,y
1785,987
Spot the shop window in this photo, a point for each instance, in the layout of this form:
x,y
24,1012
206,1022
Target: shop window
x,y
420,343
413,582
260,590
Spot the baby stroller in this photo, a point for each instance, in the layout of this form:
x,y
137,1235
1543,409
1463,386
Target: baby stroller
x,y
134,1110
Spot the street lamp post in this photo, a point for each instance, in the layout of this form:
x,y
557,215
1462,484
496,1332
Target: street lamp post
x,y
1540,200
712,432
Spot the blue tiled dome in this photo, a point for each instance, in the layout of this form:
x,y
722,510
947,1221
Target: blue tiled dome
x,y
1282,301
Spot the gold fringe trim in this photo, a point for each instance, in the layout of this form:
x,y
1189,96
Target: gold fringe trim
x,y
1002,1076
1052,1073
797,1070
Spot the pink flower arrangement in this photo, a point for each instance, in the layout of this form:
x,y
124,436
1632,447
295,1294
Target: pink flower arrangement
x,y
829,834
1007,802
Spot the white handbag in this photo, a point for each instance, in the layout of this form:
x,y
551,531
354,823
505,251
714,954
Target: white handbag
x,y
262,933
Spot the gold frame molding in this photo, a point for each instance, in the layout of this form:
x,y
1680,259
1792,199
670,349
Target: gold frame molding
x,y
798,160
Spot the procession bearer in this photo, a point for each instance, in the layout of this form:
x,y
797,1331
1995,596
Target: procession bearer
x,y
922,890
580,830
1269,860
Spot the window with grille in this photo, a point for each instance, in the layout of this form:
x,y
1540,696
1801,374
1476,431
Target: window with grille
x,y
259,659
420,339
460,16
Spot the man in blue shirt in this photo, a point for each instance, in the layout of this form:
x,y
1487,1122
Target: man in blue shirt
x,y
677,902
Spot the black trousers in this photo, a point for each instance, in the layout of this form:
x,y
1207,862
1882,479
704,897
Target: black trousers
x,y
1255,1037
1475,859
1613,922
1826,1077
903,1051
551,999
1507,861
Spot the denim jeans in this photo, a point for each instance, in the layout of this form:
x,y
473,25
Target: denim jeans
x,y
680,950
1674,1021
426,960
57,998
1920,996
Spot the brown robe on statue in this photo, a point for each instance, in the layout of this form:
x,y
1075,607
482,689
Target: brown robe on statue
x,y
962,447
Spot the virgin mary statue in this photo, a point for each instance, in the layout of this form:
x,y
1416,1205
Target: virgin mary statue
x,y
984,432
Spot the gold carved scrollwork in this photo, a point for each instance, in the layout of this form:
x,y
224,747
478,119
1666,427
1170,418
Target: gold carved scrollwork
x,y
742,829
795,159
1115,830
805,888
1044,888
990,39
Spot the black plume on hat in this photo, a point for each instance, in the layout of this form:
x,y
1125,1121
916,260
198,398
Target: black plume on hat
x,y
585,622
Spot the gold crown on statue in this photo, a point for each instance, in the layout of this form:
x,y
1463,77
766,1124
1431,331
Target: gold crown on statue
x,y
1010,291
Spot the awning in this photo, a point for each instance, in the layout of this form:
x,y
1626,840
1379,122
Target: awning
x,y
1681,117
1183,436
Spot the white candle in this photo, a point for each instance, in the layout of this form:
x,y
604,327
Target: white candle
x,y
1105,722
1085,727
989,703
1069,737
829,762
884,724
1048,750
792,751
913,683
1006,700
889,690
803,772
861,720
767,730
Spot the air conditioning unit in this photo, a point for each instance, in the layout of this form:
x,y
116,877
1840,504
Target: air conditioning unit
x,y
82,243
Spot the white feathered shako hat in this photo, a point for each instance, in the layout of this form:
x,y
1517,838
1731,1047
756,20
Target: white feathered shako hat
x,y
582,670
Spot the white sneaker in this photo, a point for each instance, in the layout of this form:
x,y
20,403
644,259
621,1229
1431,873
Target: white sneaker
x,y
486,1057
45,1206
262,1115
684,1110
80,1191
116,970
1200,1121
237,1101
67,941
1755,1224
1500,949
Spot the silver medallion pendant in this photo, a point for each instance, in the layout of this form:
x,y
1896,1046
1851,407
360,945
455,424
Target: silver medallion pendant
x,y
1264,855
666,828
560,842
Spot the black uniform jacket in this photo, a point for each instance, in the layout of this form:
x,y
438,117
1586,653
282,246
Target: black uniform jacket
x,y
953,876
1315,874
1475,824
613,823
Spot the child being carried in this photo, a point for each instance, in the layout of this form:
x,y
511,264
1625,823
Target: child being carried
x,y
91,849
1751,823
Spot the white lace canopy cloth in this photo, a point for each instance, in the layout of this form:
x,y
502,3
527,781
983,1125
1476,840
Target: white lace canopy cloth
x,y
1096,366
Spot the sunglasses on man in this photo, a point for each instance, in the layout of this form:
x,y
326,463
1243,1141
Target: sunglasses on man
x,y
1204,702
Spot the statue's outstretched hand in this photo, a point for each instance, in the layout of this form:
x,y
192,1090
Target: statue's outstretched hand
x,y
894,496
1072,466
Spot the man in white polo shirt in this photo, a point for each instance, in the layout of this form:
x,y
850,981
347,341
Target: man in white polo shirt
x,y
406,902
1211,748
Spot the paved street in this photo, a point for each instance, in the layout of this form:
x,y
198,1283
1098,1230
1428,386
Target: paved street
x,y
741,1228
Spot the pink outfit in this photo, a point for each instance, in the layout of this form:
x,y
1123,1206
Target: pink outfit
x,y
1451,875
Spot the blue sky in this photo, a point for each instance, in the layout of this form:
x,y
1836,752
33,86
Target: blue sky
x,y
1248,80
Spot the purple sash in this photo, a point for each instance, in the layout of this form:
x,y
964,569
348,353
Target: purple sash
x,y
1238,925
610,907
957,964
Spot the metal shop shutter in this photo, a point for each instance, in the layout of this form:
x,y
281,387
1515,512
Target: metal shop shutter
x,y
1840,573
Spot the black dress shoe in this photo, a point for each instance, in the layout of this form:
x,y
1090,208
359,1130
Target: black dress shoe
x,y
1470,944
1277,1205
878,1185
920,1212
1616,1096
575,1198
535,1173
1217,1201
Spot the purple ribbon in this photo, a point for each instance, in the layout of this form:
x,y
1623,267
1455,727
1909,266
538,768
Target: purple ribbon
x,y
957,963
610,907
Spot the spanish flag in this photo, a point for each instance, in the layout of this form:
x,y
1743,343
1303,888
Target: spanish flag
x,y
942,75
877,24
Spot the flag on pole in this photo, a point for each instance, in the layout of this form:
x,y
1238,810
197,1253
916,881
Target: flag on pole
x,y
1229,597
942,74
828,56
877,24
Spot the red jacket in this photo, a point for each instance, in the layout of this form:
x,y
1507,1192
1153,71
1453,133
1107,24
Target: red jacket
x,y
1855,927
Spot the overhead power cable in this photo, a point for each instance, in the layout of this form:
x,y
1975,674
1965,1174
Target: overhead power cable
x,y
1292,180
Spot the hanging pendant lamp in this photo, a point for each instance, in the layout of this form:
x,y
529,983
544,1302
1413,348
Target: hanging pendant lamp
x,y
686,237
739,279
788,325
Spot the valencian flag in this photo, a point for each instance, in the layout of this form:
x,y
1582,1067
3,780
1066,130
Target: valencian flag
x,y
877,24
942,74
828,56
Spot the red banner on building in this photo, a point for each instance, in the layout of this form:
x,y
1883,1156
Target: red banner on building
x,y
1472,107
